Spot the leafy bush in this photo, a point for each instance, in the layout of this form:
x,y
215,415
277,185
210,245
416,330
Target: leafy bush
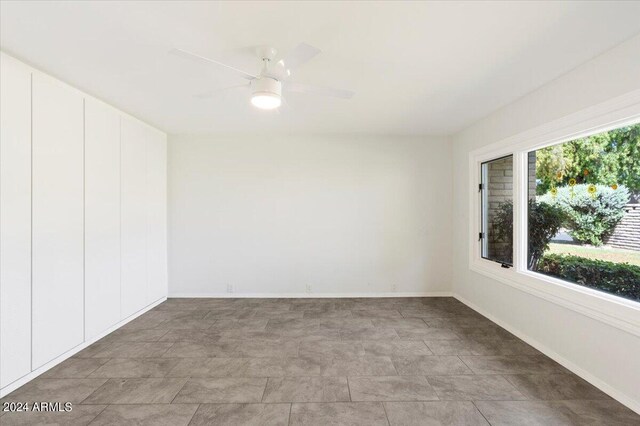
x,y
621,279
590,218
502,227
544,222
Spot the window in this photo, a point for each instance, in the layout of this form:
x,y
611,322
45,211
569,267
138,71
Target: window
x,y
566,232
584,211
496,194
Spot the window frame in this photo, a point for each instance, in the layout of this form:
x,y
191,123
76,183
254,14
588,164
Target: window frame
x,y
614,310
484,222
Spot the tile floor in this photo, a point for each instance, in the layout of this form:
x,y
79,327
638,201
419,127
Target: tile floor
x,y
410,361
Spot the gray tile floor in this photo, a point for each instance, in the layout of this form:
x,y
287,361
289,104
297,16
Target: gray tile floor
x,y
409,361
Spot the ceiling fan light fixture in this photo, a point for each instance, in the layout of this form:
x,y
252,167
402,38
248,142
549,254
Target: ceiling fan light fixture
x,y
266,86
266,100
267,93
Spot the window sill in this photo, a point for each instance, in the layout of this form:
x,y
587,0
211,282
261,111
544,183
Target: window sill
x,y
615,311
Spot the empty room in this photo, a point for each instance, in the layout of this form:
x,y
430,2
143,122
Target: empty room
x,y
319,213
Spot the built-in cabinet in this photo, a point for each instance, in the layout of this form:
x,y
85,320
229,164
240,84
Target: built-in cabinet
x,y
143,214
133,216
57,218
157,280
101,217
82,219
15,221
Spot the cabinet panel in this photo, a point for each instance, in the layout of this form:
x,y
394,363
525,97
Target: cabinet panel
x,y
157,215
15,220
58,302
102,217
133,185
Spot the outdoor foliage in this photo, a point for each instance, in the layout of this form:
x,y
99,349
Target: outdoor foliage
x,y
620,279
544,222
609,158
589,217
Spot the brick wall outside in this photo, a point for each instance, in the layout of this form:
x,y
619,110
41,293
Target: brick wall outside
x,y
626,235
532,175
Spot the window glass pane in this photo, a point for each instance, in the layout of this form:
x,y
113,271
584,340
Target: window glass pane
x,y
584,211
497,210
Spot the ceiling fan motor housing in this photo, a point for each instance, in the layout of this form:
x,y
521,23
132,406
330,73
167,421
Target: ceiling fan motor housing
x,y
266,86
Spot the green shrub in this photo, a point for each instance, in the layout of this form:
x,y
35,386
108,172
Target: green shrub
x,y
621,279
590,218
544,222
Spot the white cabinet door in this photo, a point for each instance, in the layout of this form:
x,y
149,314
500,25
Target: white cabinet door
x,y
157,215
58,302
15,220
102,217
133,186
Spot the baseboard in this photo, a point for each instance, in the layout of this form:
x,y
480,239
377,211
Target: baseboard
x,y
595,381
309,295
35,373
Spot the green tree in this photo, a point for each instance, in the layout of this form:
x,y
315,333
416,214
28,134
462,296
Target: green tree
x,y
608,158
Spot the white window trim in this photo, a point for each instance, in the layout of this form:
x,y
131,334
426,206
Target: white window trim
x,y
616,311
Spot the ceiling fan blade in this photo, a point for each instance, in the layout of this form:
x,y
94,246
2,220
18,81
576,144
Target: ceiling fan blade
x,y
285,104
216,92
316,90
202,59
299,55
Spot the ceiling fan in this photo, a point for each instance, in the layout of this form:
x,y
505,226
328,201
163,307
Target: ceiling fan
x,y
268,84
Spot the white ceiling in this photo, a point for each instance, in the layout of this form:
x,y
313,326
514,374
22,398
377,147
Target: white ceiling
x,y
416,67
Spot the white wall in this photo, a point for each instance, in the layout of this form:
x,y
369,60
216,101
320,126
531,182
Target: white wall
x,y
62,214
345,215
601,353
